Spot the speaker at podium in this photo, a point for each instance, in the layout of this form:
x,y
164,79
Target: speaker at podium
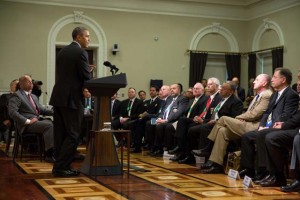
x,y
101,157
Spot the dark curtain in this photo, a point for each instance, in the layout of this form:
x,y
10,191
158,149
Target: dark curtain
x,y
277,58
233,65
251,66
197,67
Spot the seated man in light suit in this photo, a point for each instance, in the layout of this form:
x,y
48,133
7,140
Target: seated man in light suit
x,y
25,110
228,128
282,106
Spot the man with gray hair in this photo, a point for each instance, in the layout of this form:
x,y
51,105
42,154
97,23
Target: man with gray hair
x,y
228,128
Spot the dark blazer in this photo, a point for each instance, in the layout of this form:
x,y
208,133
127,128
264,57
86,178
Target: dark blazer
x,y
241,93
232,107
283,109
92,102
292,123
71,71
197,108
20,109
154,107
212,106
116,109
136,109
177,109
4,98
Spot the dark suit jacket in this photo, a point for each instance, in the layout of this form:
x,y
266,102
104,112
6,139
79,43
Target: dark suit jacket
x,y
232,107
241,93
197,108
283,109
212,106
4,98
136,109
177,109
154,107
20,109
116,109
292,123
71,71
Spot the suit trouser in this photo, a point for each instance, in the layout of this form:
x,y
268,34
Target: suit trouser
x,y
225,130
248,149
198,135
67,127
296,154
44,127
150,133
278,143
183,126
162,138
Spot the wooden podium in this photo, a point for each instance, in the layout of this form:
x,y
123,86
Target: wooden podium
x,y
101,157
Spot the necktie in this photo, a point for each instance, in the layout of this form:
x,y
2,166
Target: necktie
x,y
194,102
111,107
216,110
151,101
202,115
253,102
32,103
129,107
167,111
269,120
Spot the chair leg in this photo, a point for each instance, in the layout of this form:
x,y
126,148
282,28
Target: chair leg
x,y
8,142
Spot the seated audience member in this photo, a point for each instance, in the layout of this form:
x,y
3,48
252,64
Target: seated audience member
x,y
6,122
37,88
277,143
142,95
251,92
204,82
151,109
283,105
194,108
130,109
25,110
230,105
240,91
164,95
189,93
115,107
172,112
228,128
294,86
183,152
295,165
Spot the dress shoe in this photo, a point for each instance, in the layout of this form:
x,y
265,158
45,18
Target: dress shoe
x,y
208,164
136,150
247,172
158,153
177,157
293,187
50,159
273,181
260,176
65,173
214,169
200,153
175,150
187,160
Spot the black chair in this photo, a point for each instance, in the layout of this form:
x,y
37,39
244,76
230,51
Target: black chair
x,y
10,136
28,138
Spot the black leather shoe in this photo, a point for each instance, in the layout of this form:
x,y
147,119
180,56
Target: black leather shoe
x,y
262,180
293,187
214,169
260,176
196,152
65,173
208,164
200,153
187,160
158,153
50,159
247,172
177,157
175,150
273,181
136,150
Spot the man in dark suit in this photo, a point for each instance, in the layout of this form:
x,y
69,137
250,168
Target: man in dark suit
x,y
66,98
194,108
6,122
25,109
115,107
231,106
282,106
295,164
130,109
171,113
151,108
239,90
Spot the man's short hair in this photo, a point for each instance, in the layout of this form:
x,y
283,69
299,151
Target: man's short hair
x,y
286,73
78,31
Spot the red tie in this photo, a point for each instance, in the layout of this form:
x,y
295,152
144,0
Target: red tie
x,y
206,108
32,103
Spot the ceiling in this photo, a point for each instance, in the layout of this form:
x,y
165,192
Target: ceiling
x,y
220,9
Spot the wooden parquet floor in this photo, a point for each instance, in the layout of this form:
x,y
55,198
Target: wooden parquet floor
x,y
32,179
